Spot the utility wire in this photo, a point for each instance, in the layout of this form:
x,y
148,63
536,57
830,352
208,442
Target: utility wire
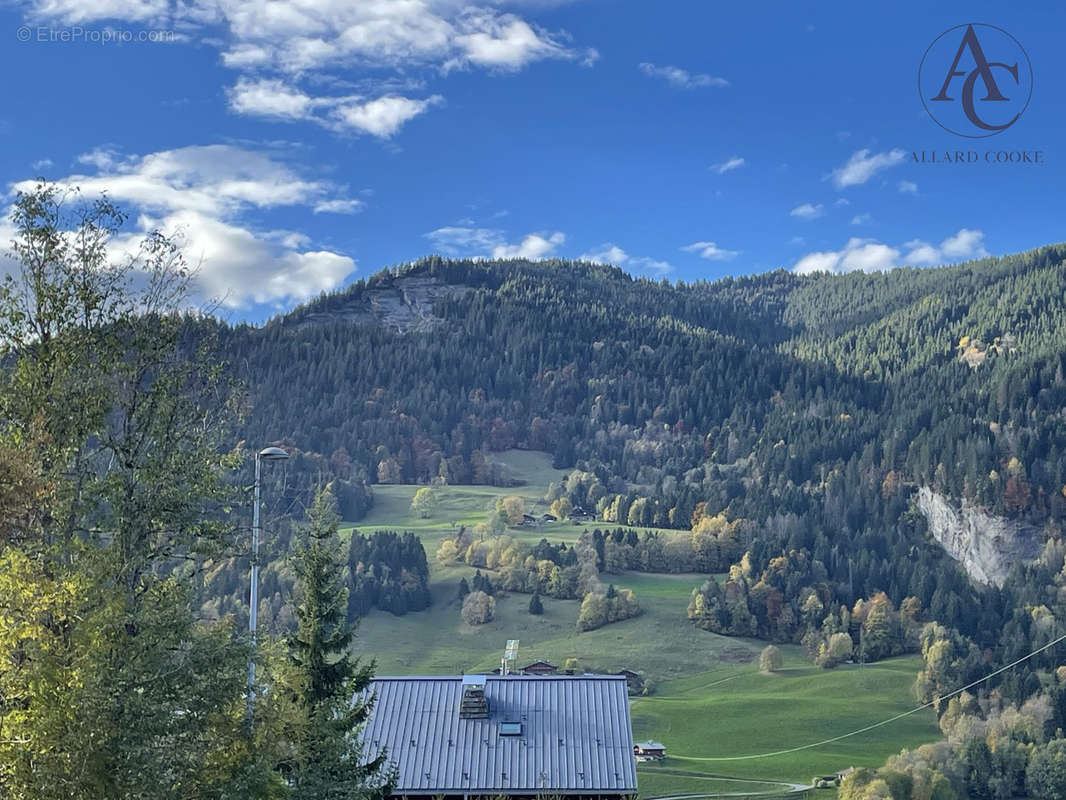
x,y
922,707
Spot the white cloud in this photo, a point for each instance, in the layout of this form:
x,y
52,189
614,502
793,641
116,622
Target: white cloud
x,y
607,254
272,98
921,254
458,240
246,56
966,244
681,79
300,36
807,211
735,162
863,165
315,42
384,116
204,196
614,255
818,262
470,240
504,41
858,254
861,219
213,179
532,246
100,157
237,265
491,242
42,164
711,251
338,206
907,187
79,11
870,255
8,265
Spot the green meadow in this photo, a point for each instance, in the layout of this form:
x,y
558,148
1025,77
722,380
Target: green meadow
x,y
725,722
707,699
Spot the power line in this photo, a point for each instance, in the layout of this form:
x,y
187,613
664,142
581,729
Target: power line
x,y
915,710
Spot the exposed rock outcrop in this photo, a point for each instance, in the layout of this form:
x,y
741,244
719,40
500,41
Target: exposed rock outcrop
x,y
987,546
405,304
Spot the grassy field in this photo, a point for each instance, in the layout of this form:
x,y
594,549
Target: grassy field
x,y
665,784
737,711
467,505
659,643
707,698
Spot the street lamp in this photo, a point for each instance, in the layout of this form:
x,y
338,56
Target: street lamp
x,y
266,454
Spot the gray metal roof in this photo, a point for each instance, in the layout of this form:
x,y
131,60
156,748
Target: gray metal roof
x,y
576,735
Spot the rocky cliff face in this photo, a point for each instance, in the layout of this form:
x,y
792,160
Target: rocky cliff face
x,y
986,546
405,304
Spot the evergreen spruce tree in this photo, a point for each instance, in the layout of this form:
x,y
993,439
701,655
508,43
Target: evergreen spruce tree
x,y
328,760
535,606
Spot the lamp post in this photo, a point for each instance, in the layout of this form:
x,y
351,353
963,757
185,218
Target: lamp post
x,y
266,454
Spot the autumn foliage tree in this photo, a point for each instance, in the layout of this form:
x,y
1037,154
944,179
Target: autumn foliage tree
x,y
770,659
111,686
478,608
425,502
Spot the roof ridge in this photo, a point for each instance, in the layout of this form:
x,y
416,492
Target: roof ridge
x,y
491,677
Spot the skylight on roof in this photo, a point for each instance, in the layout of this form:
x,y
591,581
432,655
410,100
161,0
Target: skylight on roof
x,y
510,729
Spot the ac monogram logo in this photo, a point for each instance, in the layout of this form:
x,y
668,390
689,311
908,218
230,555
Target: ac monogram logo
x,y
975,95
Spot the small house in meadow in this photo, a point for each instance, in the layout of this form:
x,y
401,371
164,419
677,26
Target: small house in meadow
x,y
634,680
649,751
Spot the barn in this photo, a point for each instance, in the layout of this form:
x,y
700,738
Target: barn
x,y
650,750
539,668
519,736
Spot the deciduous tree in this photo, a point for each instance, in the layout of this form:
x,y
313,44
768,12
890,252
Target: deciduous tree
x,y
478,608
770,659
425,502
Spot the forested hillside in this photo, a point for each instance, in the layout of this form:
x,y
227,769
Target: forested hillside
x,y
810,406
765,384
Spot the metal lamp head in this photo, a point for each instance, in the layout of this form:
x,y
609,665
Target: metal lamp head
x,y
272,454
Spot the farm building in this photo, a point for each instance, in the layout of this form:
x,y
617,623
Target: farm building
x,y
517,736
539,668
533,668
634,679
649,751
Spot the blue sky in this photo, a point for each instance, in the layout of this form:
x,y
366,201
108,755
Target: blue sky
x,y
298,145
